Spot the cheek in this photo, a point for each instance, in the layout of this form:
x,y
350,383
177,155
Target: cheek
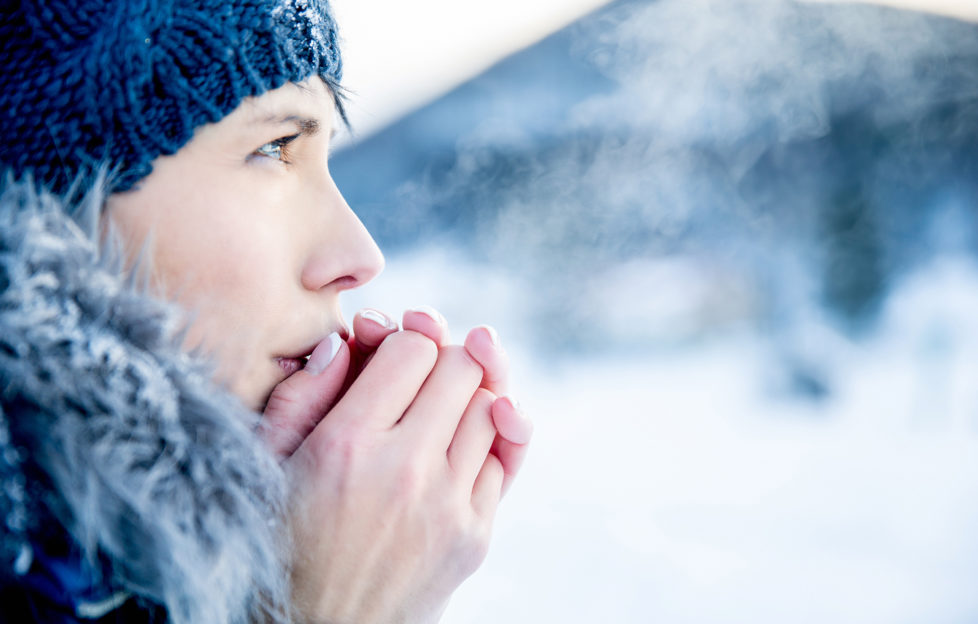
x,y
223,247
227,265
218,242
238,304
234,280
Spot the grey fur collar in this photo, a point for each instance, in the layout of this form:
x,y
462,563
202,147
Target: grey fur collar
x,y
146,462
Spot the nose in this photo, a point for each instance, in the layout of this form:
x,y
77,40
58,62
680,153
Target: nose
x,y
345,255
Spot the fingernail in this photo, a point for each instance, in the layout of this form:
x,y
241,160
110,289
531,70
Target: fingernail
x,y
379,318
323,354
493,336
515,405
428,311
525,433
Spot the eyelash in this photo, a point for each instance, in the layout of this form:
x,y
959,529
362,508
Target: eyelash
x,y
279,149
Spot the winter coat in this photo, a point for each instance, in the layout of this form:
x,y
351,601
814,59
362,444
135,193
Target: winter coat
x,y
131,487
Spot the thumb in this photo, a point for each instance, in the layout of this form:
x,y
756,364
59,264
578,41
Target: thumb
x,y
298,404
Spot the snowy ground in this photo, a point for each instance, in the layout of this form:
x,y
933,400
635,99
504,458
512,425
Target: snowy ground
x,y
677,486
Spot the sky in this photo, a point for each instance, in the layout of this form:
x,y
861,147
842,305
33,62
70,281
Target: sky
x,y
966,9
400,55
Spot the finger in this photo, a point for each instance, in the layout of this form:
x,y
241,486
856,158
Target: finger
x,y
428,321
482,343
488,488
370,328
511,422
511,458
297,404
473,438
512,443
436,411
389,382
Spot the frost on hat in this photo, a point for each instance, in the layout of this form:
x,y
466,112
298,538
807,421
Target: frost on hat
x,y
117,83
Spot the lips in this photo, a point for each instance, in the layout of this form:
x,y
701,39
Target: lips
x,y
294,363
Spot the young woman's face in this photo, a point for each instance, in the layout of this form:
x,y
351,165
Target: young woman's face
x,y
246,229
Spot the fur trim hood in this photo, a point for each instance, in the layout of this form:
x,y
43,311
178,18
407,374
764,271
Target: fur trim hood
x,y
116,439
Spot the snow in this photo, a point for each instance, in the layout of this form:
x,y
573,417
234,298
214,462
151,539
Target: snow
x,y
682,484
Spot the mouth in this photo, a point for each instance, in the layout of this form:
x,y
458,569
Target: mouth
x,y
292,364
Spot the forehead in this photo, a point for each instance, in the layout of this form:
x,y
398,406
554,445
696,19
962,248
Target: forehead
x,y
310,99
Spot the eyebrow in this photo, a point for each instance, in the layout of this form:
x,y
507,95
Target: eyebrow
x,y
307,125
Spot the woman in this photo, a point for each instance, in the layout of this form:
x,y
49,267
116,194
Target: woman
x,y
237,454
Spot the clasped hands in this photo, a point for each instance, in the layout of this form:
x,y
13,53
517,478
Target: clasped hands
x,y
398,447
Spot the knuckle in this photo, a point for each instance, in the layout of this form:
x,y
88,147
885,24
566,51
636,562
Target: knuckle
x,y
459,358
411,344
410,482
341,449
473,548
454,518
494,468
483,399
285,398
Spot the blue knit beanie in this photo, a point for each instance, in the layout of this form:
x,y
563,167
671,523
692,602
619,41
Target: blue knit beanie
x,y
86,84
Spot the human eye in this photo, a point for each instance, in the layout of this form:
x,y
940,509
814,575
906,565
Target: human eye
x,y
276,150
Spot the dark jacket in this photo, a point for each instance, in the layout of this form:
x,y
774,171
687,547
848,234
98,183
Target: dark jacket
x,y
131,487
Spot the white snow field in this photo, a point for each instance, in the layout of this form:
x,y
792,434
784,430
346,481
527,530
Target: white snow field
x,y
683,484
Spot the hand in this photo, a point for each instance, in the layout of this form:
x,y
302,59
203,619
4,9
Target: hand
x,y
299,403
482,343
396,489
513,428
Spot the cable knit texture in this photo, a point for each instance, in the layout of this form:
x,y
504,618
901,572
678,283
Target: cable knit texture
x,y
91,83
112,436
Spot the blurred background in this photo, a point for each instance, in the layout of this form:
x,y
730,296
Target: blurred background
x,y
731,248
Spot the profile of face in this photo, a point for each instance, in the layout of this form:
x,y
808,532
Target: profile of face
x,y
245,229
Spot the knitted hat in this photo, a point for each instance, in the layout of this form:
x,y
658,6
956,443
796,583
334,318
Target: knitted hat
x,y
93,83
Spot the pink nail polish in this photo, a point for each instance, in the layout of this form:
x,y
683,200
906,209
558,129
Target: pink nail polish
x,y
323,354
